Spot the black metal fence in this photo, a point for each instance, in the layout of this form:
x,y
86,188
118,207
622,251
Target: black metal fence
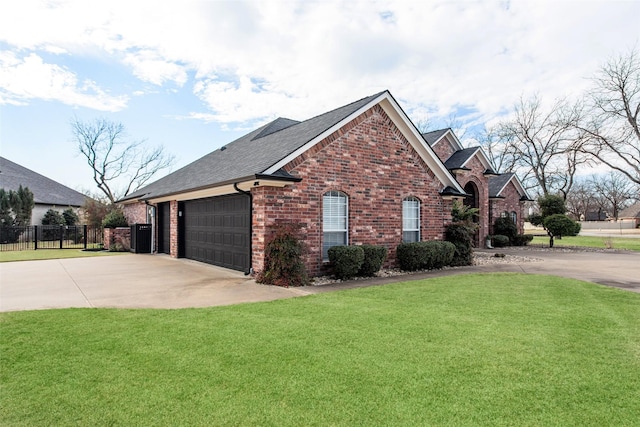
x,y
50,237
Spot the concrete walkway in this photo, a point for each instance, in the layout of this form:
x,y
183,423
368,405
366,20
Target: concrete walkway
x,y
620,269
158,281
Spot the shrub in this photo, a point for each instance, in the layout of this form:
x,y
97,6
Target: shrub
x,y
499,240
505,227
425,255
54,220
374,257
283,257
522,239
346,260
115,219
461,235
70,217
561,225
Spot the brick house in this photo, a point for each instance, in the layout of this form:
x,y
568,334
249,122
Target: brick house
x,y
507,198
359,174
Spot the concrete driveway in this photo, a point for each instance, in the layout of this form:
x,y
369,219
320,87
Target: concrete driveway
x,y
127,281
158,281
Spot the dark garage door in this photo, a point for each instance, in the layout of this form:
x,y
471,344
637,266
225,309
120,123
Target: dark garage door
x,y
218,231
164,227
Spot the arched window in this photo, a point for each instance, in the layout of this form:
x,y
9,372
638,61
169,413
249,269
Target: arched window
x,y
335,214
514,217
410,220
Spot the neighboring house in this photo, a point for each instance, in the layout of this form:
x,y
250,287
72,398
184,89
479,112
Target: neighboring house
x,y
631,214
47,193
359,174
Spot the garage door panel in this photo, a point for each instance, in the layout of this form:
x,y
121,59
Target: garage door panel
x,y
218,230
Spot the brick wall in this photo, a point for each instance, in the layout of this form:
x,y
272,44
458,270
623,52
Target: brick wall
x,y
510,203
375,166
443,149
121,235
476,175
136,213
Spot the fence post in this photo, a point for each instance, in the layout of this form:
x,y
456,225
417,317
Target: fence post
x,y
61,235
84,233
35,238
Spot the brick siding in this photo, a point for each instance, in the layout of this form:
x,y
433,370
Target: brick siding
x,y
375,166
510,203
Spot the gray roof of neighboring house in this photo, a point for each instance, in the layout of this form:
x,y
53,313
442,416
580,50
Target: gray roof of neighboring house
x,y
632,211
497,183
45,191
433,136
248,155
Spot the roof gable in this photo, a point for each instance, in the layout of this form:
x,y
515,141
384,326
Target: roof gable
x,y
461,158
267,149
442,136
498,183
45,190
632,211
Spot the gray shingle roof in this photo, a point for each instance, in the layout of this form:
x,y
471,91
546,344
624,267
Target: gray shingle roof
x,y
45,191
460,157
497,183
632,211
433,136
248,155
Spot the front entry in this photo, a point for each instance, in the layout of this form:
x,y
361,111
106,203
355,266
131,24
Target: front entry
x,y
472,201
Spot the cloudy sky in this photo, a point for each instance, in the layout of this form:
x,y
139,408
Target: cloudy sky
x,y
195,75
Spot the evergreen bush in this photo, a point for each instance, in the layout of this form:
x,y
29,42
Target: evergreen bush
x,y
346,260
374,257
424,255
283,257
504,226
115,219
522,239
499,240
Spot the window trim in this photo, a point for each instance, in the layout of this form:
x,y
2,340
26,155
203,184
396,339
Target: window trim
x,y
335,194
418,208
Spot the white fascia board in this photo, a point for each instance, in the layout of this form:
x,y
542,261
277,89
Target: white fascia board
x,y
408,129
519,187
220,190
323,135
402,122
484,159
451,138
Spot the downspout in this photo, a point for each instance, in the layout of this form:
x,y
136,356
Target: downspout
x,y
153,225
248,193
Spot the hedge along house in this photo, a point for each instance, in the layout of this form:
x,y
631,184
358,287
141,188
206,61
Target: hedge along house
x,y
507,198
360,174
472,169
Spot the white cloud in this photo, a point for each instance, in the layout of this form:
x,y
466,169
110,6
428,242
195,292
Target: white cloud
x,y
22,79
248,60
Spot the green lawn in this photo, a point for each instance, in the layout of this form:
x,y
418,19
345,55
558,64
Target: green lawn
x,y
6,256
482,349
592,242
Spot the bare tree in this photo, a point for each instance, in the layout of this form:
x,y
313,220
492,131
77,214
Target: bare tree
x,y
116,160
613,191
581,200
499,151
541,141
611,128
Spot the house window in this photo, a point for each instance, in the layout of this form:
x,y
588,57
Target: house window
x,y
410,220
514,217
334,221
